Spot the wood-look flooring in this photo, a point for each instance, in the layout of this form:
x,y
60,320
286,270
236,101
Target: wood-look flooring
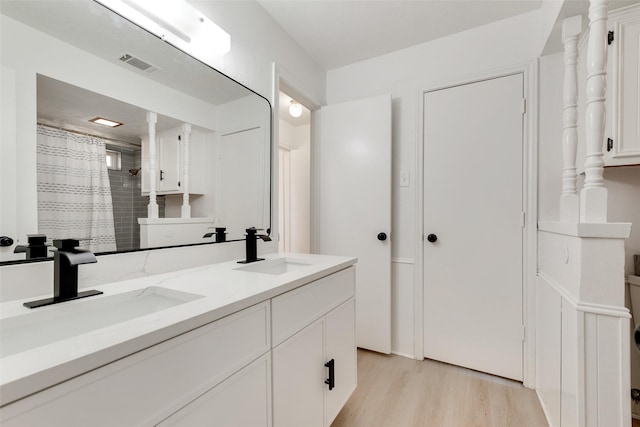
x,y
395,391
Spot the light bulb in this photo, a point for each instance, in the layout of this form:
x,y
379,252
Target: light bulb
x,y
295,109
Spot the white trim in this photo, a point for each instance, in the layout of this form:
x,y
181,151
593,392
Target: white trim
x,y
544,408
402,261
585,307
608,230
275,158
530,179
283,78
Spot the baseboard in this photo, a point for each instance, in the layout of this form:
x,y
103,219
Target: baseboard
x,y
408,356
544,409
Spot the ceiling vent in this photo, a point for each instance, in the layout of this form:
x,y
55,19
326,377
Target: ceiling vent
x,y
138,63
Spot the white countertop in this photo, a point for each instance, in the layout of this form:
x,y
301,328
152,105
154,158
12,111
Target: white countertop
x,y
224,290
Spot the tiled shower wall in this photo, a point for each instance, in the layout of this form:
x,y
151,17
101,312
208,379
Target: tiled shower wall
x,y
128,204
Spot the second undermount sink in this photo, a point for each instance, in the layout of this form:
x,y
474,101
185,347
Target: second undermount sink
x,y
58,322
275,266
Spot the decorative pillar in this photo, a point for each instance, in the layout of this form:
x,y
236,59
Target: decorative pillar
x,y
593,197
152,208
569,200
186,207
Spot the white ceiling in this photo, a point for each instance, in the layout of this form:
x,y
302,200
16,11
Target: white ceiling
x,y
340,32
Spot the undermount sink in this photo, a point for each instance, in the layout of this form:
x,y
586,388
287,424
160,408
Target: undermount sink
x,y
275,266
58,322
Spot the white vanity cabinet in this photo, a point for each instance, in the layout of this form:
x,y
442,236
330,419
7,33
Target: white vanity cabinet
x,y
314,326
170,156
262,366
221,364
623,148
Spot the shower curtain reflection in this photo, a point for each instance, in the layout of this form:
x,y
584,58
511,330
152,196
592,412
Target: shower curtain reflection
x,y
74,195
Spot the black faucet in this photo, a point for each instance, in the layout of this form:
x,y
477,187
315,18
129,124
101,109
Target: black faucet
x,y
65,273
36,248
252,246
221,234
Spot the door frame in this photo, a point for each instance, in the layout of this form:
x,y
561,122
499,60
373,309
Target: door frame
x,y
281,81
529,71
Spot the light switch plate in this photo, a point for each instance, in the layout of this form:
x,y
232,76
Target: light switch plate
x,y
404,179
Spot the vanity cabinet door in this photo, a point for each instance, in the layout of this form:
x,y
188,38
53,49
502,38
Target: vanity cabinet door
x,y
242,400
302,395
340,346
298,379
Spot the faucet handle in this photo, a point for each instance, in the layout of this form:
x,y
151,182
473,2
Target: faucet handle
x,y
66,244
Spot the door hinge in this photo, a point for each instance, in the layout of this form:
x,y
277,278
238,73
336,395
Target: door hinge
x,y
609,144
524,333
610,37
524,219
524,105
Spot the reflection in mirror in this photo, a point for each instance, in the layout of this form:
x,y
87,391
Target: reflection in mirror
x,y
190,150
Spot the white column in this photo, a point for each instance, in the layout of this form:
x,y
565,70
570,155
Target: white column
x,y
569,201
152,208
593,197
186,207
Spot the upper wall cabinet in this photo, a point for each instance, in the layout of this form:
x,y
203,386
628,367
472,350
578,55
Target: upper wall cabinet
x,y
621,144
180,156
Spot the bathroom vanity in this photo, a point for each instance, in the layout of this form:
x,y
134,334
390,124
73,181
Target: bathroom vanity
x,y
270,343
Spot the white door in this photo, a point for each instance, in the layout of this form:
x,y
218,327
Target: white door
x,y
353,178
473,204
240,188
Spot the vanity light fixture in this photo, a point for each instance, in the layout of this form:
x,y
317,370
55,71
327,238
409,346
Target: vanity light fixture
x,y
105,122
295,109
175,21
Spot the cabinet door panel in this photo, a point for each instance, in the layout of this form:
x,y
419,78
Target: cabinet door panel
x,y
242,400
169,161
298,379
340,345
627,122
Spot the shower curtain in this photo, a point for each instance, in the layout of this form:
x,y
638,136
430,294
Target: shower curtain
x,y
74,194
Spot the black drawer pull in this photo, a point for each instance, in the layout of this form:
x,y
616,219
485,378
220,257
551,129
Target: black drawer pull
x,y
331,381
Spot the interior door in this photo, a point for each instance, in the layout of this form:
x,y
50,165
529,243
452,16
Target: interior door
x,y
353,178
473,219
240,192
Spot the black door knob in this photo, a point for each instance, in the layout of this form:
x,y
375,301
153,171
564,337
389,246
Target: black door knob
x,y
6,241
432,238
382,236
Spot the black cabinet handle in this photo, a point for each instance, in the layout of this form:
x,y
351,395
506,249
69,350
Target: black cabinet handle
x,y
432,238
331,381
382,236
6,241
161,174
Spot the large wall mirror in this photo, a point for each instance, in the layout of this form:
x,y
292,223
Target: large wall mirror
x,y
189,154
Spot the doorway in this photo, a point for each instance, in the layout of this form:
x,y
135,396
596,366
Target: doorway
x,y
473,218
294,142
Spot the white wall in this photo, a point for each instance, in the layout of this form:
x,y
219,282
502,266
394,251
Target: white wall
x,y
298,140
404,74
